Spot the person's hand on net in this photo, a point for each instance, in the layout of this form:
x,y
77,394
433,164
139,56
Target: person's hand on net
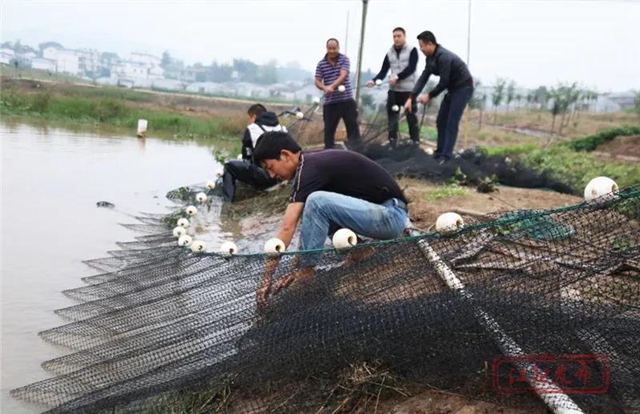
x,y
328,89
301,275
370,84
393,81
262,293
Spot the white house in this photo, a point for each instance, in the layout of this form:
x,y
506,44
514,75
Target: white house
x,y
51,52
145,58
26,58
44,64
127,69
6,56
155,72
89,60
68,61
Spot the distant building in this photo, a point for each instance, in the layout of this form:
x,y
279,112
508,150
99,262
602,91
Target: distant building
x,y
44,64
6,56
68,61
145,59
51,52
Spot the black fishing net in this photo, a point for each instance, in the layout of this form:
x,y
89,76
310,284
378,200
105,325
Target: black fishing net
x,y
163,329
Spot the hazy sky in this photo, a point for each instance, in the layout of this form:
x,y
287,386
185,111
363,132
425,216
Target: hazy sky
x,y
539,42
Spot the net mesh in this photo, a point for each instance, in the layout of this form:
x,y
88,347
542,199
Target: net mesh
x,y
162,329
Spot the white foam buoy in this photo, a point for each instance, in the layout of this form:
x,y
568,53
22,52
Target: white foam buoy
x,y
429,151
274,246
201,197
179,231
341,88
316,100
449,223
184,240
228,248
239,156
198,246
599,187
378,82
344,238
299,114
191,210
142,127
395,108
219,172
183,222
210,185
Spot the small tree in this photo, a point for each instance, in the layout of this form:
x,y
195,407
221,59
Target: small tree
x,y
511,90
478,101
498,96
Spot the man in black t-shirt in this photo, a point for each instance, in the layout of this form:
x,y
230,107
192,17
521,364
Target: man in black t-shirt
x,y
334,189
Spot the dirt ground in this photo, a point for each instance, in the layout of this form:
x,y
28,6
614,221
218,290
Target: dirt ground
x,y
423,213
623,148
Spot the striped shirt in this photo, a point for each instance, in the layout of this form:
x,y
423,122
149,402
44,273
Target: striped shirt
x,y
329,73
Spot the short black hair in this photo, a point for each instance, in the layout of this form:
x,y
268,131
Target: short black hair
x,y
271,143
399,29
334,39
256,109
427,36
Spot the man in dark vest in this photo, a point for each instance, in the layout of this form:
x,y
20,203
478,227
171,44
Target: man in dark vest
x,y
401,60
456,79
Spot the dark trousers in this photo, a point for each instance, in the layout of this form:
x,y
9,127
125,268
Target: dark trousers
x,y
247,172
332,113
451,110
399,98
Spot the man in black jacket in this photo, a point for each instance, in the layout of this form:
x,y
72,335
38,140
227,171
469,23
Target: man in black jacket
x,y
456,79
401,60
260,121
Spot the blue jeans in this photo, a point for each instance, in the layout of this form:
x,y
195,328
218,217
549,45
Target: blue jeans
x,y
325,211
451,110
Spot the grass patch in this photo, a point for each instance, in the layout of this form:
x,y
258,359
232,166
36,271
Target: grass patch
x,y
428,132
509,150
592,142
111,107
449,190
576,169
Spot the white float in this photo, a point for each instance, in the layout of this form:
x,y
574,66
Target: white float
x,y
599,187
201,197
210,185
274,246
316,100
198,246
395,108
344,238
378,82
300,115
228,248
191,210
449,223
183,222
341,88
429,151
184,240
179,231
142,127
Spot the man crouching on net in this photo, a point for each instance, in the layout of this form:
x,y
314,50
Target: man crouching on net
x,y
331,189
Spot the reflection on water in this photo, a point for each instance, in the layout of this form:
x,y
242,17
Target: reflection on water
x,y
51,181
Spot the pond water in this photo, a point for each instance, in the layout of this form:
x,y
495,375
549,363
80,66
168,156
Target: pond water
x,y
51,181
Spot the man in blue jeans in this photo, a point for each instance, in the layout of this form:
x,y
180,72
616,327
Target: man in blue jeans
x,y
334,189
456,79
